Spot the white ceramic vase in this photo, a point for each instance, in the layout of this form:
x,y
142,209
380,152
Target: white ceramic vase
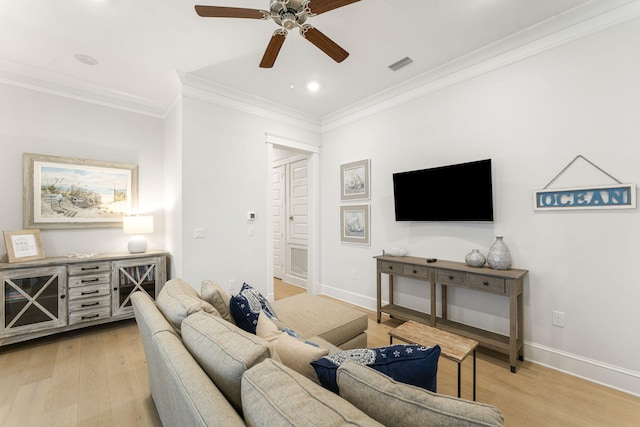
x,y
499,257
475,258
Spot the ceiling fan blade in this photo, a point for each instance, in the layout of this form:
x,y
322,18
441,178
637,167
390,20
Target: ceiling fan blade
x,y
324,43
273,48
321,6
231,12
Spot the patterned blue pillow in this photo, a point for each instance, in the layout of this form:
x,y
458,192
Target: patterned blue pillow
x,y
246,307
407,363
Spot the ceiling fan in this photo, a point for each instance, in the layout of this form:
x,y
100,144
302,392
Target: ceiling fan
x,y
288,14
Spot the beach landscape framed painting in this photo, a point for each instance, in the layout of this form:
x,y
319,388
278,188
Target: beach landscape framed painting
x,y
63,192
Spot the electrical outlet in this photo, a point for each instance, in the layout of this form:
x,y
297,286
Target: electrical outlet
x,y
232,285
557,318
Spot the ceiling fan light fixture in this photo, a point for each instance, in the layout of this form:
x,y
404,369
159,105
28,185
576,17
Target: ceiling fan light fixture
x,y
288,21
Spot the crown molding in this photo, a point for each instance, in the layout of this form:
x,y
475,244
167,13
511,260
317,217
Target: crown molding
x,y
205,90
20,75
578,22
581,21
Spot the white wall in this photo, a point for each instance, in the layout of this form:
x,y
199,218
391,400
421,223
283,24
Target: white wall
x,y
225,174
173,187
37,122
532,118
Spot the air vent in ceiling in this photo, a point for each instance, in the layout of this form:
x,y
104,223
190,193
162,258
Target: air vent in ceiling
x,y
401,63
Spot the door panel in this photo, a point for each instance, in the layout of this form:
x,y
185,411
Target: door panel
x,y
297,224
298,220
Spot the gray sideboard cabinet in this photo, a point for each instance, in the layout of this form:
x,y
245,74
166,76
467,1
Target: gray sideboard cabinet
x,y
53,295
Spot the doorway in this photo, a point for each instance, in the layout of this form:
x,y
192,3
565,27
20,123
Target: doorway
x,y
292,249
290,217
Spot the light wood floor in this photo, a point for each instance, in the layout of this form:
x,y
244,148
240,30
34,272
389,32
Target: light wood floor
x,y
98,377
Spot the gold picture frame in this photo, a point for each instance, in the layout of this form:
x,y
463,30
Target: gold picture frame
x,y
65,192
23,245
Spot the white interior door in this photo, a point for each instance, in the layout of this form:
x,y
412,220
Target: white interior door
x,y
297,230
278,218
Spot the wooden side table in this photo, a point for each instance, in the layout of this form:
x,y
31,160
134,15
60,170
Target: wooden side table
x,y
452,346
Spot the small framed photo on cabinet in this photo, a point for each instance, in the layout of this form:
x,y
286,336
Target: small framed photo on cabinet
x,y
23,245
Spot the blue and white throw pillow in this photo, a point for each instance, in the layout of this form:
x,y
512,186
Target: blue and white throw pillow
x,y
407,363
246,307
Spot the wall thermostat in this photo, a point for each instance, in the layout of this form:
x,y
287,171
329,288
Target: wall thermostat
x,y
251,215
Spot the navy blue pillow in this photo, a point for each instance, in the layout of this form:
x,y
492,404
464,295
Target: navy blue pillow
x,y
246,307
407,363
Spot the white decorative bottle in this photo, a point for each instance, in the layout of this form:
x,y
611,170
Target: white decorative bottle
x,y
499,257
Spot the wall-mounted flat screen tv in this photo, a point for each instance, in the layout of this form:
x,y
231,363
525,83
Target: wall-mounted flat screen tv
x,y
459,192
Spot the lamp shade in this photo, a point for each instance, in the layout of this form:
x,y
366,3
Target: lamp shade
x,y
137,224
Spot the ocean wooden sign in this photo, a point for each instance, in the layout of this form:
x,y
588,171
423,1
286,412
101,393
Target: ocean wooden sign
x,y
616,196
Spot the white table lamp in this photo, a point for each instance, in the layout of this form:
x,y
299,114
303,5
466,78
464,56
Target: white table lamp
x,y
137,226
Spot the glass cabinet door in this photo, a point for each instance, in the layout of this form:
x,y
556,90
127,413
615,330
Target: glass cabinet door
x,y
133,276
33,299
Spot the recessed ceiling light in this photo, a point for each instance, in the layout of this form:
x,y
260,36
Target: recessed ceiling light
x,y
313,86
86,59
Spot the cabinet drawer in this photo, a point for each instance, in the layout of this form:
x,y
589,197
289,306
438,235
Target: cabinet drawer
x,y
452,277
418,271
493,284
89,268
89,315
89,303
89,279
89,291
391,267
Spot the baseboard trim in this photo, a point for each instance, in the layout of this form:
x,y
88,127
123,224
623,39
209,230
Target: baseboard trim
x,y
605,374
350,297
612,376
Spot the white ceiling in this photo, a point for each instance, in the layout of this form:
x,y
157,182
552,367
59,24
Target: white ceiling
x,y
140,44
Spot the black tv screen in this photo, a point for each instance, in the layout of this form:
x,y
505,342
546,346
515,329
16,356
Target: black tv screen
x,y
460,192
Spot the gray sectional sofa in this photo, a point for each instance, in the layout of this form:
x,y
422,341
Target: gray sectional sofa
x,y
205,371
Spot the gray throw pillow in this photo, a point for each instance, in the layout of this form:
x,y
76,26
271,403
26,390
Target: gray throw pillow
x,y
215,295
178,299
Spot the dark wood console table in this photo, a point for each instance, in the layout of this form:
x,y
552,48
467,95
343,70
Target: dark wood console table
x,y
450,273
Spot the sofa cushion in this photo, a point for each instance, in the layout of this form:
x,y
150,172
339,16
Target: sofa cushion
x,y
285,348
246,306
311,316
298,354
407,363
223,350
182,392
178,299
394,404
274,395
215,295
